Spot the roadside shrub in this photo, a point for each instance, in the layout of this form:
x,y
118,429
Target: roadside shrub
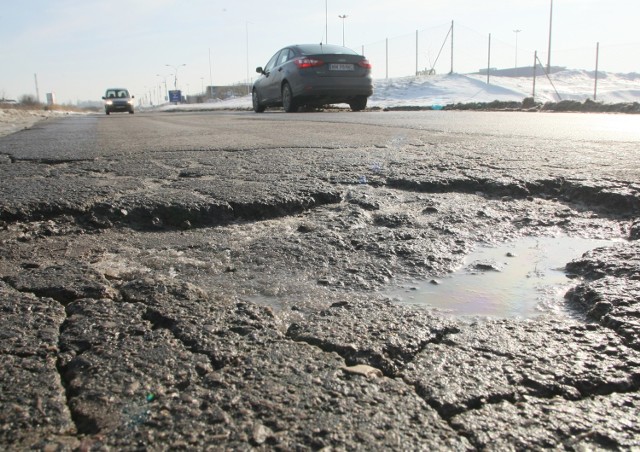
x,y
590,106
29,100
563,105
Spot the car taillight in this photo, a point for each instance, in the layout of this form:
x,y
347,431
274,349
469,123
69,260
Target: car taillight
x,y
365,64
304,63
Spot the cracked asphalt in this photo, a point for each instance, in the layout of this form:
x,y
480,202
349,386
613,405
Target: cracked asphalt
x,y
216,281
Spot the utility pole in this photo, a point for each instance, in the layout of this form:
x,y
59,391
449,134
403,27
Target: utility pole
x,y
343,17
175,73
550,26
535,62
451,48
386,52
210,72
326,22
246,24
489,60
35,77
166,91
416,52
595,85
516,32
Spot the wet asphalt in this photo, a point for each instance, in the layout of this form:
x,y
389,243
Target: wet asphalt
x,y
220,280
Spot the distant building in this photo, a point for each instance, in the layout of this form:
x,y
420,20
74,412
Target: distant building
x,y
51,98
217,92
225,92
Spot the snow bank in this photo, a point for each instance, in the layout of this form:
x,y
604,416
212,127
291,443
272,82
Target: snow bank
x,y
429,90
15,119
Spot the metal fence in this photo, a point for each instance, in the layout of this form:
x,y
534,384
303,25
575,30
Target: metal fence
x,y
454,47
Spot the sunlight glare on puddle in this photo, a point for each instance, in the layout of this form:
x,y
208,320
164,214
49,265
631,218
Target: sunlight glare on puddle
x,y
522,279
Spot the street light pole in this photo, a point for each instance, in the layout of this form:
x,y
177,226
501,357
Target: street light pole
x,y
326,22
166,92
343,17
550,26
516,32
175,76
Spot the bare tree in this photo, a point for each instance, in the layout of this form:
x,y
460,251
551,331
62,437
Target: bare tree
x,y
29,100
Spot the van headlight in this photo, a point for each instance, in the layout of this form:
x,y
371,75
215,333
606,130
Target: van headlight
x,y
109,102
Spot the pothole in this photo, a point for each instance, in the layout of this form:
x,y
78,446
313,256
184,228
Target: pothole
x,y
521,279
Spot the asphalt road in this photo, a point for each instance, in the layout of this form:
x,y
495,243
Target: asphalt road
x,y
218,280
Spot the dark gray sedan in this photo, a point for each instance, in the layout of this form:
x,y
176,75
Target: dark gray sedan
x,y
313,75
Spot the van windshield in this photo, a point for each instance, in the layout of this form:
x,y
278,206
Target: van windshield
x,y
112,93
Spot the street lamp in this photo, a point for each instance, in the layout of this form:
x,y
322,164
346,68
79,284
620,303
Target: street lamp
x,y
175,77
326,22
550,24
343,17
516,32
164,79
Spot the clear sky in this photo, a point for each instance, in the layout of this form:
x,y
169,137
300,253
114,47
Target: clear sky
x,y
78,48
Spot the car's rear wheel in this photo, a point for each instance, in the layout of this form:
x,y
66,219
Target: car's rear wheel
x,y
257,106
288,102
359,103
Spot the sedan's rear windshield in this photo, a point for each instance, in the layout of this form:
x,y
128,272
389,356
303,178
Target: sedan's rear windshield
x,y
317,49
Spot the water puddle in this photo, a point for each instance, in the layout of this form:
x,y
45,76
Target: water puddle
x,y
524,279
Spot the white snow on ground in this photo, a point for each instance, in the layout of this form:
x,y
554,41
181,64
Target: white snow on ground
x,y
439,90
425,91
15,119
574,85
429,90
455,88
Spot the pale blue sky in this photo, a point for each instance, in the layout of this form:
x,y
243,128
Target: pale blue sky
x,y
79,47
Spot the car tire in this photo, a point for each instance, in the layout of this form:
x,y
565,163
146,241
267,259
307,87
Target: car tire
x,y
130,112
107,112
359,103
288,101
257,106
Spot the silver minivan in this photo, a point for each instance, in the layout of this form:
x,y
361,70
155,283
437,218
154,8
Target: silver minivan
x,y
117,99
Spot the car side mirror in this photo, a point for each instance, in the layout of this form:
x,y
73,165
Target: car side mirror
x,y
133,97
259,70
104,98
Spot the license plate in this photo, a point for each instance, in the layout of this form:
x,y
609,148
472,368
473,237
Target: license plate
x,y
341,67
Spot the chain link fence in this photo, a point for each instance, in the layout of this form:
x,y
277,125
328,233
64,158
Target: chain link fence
x,y
454,47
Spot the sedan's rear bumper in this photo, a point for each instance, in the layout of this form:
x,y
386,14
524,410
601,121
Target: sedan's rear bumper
x,y
343,89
